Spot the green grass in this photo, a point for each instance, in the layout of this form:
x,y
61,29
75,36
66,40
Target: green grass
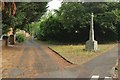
x,y
76,53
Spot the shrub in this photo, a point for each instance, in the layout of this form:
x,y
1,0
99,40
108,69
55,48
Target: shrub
x,y
20,37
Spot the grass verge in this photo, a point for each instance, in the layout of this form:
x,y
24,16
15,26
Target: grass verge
x,y
76,53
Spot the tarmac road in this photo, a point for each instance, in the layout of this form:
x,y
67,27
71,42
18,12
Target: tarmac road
x,y
37,61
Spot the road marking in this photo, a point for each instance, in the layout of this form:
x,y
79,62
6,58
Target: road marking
x,y
108,78
97,77
94,77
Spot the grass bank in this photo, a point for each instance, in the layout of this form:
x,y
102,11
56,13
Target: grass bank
x,y
76,53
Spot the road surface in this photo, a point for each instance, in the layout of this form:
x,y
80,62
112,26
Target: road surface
x,y
37,61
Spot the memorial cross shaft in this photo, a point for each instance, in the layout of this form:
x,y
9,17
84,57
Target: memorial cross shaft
x,y
91,44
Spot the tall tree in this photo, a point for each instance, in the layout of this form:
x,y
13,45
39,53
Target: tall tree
x,y
8,11
26,13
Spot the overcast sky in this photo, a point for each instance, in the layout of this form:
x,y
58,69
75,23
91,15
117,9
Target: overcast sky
x,y
54,4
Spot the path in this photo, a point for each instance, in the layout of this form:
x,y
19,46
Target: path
x,y
37,61
101,65
32,60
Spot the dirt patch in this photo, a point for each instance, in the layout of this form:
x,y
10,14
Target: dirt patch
x,y
60,61
25,60
10,56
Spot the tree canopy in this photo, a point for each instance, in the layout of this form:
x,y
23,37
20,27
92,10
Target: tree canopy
x,y
72,21
26,13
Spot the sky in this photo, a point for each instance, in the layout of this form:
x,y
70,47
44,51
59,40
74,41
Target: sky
x,y
54,4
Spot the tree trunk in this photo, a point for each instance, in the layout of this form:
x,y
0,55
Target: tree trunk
x,y
13,38
6,40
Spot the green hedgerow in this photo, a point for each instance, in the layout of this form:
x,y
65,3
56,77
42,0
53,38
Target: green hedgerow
x,y
20,37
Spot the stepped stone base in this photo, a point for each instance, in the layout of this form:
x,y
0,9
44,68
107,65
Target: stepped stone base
x,y
91,45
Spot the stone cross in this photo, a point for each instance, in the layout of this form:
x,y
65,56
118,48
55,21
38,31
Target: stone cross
x,y
91,36
91,44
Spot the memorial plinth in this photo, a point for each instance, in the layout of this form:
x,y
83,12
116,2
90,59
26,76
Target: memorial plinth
x,y
91,44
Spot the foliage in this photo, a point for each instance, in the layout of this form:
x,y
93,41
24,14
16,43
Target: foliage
x,y
26,13
32,28
20,37
50,29
71,22
33,11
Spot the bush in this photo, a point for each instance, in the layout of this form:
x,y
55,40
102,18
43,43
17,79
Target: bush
x,y
20,37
